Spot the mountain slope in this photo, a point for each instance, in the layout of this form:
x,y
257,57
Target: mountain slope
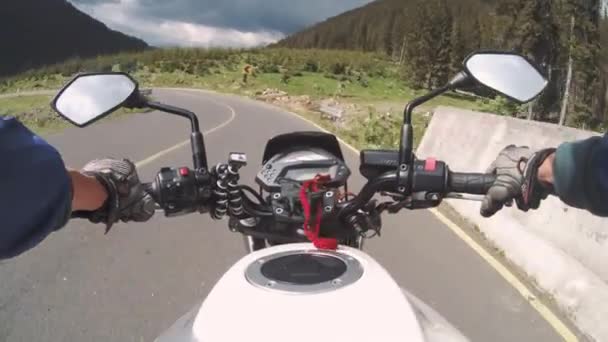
x,y
41,32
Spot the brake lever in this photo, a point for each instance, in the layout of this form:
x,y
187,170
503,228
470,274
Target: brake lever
x,y
473,198
417,200
466,197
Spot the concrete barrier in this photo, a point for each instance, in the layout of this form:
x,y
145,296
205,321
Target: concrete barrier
x,y
564,249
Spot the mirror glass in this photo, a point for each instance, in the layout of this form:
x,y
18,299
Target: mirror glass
x,y
509,74
90,97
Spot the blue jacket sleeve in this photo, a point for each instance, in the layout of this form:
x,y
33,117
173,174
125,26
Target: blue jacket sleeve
x,y
580,172
35,189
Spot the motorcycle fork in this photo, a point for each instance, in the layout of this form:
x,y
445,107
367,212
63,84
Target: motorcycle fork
x,y
253,244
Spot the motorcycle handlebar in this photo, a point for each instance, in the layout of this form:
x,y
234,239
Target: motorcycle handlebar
x,y
470,183
181,202
385,182
466,183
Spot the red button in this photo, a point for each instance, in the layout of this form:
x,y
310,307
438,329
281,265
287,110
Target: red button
x,y
184,171
430,164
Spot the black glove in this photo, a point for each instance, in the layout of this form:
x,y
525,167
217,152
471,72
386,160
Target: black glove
x,y
127,200
516,170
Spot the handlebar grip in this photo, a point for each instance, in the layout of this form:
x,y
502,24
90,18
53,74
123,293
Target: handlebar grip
x,y
470,183
150,189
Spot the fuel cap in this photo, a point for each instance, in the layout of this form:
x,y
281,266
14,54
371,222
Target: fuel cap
x,y
310,271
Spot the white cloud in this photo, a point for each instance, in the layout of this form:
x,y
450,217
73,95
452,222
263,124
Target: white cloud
x,y
286,16
199,35
123,16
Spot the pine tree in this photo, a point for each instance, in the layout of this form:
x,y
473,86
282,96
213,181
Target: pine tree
x,y
398,35
602,106
427,44
585,49
388,41
441,20
473,37
459,49
417,49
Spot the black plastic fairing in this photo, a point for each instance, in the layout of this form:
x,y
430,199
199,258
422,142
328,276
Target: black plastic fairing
x,y
289,141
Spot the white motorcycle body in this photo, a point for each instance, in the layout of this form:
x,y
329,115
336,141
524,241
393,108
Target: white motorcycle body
x,y
360,303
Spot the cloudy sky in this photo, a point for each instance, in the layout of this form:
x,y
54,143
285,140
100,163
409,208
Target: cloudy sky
x,y
237,23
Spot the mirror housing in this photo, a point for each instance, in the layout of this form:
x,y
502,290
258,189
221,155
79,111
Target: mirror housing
x,y
89,97
509,74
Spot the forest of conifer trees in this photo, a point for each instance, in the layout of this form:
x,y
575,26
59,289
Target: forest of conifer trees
x,y
430,39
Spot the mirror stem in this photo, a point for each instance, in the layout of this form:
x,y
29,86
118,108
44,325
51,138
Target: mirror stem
x,y
407,131
199,154
409,109
176,111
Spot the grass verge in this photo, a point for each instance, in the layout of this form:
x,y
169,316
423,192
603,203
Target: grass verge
x,y
35,112
375,122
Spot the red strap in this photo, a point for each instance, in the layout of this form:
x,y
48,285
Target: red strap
x,y
312,232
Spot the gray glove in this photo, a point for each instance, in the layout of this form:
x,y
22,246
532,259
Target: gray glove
x,y
127,200
516,170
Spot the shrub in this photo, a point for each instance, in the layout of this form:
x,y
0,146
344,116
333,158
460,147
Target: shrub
x,y
376,131
500,105
312,66
338,68
269,68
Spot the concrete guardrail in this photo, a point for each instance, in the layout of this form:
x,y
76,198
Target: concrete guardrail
x,y
564,250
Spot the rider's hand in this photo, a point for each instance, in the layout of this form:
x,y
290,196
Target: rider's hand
x,y
516,170
127,200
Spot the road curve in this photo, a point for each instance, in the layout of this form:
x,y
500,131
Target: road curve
x,y
130,285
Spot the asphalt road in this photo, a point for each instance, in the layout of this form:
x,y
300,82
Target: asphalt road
x,y
132,284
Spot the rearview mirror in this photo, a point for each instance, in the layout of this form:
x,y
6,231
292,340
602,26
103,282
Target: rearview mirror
x,y
509,74
90,97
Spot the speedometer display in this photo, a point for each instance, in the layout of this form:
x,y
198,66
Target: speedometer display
x,y
308,173
300,156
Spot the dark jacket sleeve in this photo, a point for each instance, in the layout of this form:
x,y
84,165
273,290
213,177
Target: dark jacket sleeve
x,y
35,189
580,173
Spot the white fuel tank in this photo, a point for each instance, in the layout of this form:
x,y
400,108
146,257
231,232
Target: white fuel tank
x,y
362,304
298,293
